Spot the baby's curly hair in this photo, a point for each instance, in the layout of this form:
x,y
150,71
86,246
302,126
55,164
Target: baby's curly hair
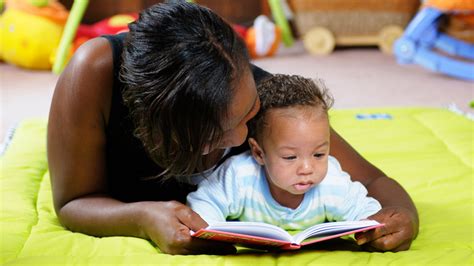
x,y
280,91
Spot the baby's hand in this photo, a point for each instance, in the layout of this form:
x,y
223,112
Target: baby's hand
x,y
401,227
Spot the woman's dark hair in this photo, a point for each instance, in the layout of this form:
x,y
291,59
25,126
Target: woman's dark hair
x,y
281,91
180,64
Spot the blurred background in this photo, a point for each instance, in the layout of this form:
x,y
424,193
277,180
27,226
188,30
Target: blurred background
x,y
369,53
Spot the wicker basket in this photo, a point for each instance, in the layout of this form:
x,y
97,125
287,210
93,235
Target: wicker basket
x,y
354,22
399,6
353,17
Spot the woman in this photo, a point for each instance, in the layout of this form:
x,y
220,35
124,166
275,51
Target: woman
x,y
168,99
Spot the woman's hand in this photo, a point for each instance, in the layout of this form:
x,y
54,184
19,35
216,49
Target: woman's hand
x,y
401,227
168,225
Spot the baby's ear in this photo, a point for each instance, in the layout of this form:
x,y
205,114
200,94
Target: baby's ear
x,y
256,151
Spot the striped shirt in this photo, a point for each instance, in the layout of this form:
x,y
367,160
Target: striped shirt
x,y
238,190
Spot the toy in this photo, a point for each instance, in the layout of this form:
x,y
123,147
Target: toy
x,y
241,30
326,24
77,11
459,25
30,32
422,40
263,38
278,14
113,25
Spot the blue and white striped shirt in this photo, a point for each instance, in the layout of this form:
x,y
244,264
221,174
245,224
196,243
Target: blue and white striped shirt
x,y
238,190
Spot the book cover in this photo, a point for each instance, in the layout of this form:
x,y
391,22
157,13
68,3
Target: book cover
x,y
264,235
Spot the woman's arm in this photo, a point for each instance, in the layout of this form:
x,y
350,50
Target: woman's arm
x,y
398,210
76,155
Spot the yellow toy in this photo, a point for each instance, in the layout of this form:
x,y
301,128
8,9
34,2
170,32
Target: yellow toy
x,y
30,32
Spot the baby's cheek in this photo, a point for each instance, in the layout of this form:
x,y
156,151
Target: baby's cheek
x,y
284,172
323,170
325,167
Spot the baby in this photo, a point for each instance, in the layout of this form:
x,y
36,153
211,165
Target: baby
x,y
288,177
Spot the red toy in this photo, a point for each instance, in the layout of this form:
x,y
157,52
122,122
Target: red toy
x,y
112,25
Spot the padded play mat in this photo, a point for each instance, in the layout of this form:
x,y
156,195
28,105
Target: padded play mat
x,y
429,151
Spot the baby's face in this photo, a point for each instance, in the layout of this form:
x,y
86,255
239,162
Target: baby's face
x,y
296,149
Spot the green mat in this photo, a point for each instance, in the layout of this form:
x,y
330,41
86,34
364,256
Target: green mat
x,y
429,151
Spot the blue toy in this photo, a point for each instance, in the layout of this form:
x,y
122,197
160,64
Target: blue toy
x,y
421,37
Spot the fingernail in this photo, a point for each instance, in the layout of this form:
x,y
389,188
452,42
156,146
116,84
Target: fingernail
x,y
361,241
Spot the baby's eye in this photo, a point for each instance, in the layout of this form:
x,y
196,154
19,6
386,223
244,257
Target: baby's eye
x,y
319,155
292,157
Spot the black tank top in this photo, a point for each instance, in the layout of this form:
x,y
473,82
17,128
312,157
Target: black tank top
x,y
128,164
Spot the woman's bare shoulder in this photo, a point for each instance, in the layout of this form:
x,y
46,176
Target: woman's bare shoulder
x,y
88,78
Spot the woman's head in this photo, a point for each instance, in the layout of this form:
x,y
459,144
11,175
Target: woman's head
x,y
183,67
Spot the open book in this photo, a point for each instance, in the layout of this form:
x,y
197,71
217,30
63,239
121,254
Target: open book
x,y
264,235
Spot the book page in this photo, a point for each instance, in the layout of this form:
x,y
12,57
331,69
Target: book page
x,y
333,228
254,229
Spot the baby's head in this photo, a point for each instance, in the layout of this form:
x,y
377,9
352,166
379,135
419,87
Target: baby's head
x,y
290,134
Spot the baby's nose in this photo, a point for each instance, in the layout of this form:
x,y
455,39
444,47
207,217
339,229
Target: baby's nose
x,y
306,168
